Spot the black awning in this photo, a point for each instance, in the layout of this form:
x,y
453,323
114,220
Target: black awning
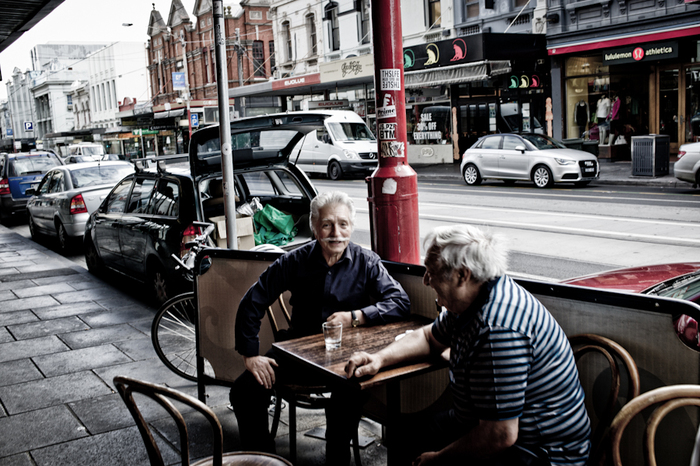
x,y
465,72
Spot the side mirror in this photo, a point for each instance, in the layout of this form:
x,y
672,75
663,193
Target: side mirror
x,y
521,148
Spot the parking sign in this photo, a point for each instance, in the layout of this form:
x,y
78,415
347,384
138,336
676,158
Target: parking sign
x,y
194,119
29,126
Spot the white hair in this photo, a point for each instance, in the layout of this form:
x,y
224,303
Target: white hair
x,y
463,246
330,198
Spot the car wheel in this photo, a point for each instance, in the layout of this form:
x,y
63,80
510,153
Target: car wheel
x,y
158,283
334,171
32,228
92,258
64,241
542,177
581,184
471,175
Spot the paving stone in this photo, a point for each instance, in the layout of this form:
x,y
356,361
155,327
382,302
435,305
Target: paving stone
x,y
5,336
39,264
43,290
47,327
101,336
150,370
57,272
86,284
80,360
51,391
22,459
10,259
20,433
17,317
144,325
116,448
13,285
7,272
93,294
65,310
120,301
102,319
19,371
137,350
29,348
27,303
7,295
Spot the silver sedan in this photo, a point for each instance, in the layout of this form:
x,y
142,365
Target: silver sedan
x,y
68,194
535,157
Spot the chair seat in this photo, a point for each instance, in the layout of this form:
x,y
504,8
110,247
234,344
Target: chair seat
x,y
247,458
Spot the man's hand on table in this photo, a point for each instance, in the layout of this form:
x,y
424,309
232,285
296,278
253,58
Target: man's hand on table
x,y
426,459
261,368
361,364
345,318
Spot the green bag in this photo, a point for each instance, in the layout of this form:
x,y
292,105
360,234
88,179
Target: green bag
x,y
274,219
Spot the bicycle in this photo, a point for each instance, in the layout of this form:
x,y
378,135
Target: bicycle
x,y
173,330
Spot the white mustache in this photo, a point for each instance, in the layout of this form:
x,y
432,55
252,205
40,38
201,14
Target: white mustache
x,y
337,238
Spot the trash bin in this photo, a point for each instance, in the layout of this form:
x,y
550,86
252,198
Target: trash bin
x,y
576,143
650,155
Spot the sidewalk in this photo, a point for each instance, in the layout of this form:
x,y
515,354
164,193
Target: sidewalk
x,y
611,173
64,335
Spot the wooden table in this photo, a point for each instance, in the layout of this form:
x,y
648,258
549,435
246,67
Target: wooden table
x,y
310,352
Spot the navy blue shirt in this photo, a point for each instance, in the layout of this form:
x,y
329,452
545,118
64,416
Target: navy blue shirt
x,y
358,281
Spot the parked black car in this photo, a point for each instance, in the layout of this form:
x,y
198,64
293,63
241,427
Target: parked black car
x,y
149,215
18,172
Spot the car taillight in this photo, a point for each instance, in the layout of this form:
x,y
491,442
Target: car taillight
x,y
190,233
4,186
77,205
681,154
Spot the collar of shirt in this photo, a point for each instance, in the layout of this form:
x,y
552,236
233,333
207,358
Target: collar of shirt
x,y
317,254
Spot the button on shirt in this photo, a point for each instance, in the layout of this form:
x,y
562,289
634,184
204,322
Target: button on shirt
x,y
358,281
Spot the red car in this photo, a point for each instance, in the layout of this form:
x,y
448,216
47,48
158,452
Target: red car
x,y
681,281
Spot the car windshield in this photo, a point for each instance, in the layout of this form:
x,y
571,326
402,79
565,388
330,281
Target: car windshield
x,y
93,150
351,132
543,142
684,287
99,175
32,164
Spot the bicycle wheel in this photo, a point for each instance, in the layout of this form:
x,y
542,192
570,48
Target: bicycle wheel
x,y
173,335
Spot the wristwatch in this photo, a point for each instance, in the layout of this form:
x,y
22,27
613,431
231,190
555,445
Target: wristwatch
x,y
355,320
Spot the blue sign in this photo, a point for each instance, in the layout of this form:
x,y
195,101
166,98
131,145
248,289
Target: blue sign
x,y
29,126
10,132
179,81
194,119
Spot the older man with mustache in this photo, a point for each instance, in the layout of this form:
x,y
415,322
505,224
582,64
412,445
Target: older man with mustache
x,y
331,280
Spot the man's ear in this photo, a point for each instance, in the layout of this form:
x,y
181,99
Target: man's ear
x,y
464,275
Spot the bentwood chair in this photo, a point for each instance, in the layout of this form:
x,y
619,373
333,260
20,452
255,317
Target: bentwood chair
x,y
668,399
302,396
164,397
613,352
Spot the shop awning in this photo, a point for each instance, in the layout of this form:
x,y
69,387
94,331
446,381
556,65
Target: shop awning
x,y
169,114
476,71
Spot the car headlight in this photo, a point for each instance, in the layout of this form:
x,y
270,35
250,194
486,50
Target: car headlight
x,y
351,154
565,161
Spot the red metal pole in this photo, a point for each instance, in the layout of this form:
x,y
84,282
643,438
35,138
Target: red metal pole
x,y
393,188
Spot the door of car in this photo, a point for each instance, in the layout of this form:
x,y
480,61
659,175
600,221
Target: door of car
x,y
487,158
53,198
311,154
513,163
108,223
136,225
37,205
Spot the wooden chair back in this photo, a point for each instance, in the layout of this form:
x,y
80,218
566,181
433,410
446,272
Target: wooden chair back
x,y
668,399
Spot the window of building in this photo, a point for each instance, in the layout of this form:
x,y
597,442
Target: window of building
x,y
206,66
256,15
69,99
273,64
311,31
114,94
472,9
520,3
109,95
287,36
213,64
259,58
331,12
434,15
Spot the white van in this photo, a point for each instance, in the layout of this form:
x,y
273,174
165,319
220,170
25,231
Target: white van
x,y
344,147
84,152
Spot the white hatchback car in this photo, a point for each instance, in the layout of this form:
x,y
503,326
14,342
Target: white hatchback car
x,y
687,168
527,157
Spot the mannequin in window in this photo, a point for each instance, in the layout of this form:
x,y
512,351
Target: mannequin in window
x,y
581,116
602,111
615,121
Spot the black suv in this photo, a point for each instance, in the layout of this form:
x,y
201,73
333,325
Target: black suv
x,y
149,215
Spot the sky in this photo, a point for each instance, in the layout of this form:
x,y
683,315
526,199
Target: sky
x,y
85,21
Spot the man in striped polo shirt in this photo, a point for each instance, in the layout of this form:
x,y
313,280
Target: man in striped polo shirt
x,y
516,394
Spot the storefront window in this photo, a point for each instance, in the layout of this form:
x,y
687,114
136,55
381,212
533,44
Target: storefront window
x,y
429,123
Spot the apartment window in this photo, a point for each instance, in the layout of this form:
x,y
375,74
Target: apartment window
x,y
287,36
114,94
520,3
434,13
104,98
213,64
273,63
311,30
256,15
364,22
472,9
331,12
259,58
206,66
69,98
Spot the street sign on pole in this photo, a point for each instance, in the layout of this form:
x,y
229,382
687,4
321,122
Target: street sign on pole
x,y
194,119
29,126
10,132
179,81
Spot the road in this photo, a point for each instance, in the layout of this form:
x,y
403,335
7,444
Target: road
x,y
553,234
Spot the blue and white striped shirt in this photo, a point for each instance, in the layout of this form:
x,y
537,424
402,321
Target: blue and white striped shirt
x,y
510,359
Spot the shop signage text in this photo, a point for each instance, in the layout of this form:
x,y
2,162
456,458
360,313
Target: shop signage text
x,y
387,130
640,53
344,103
296,81
355,67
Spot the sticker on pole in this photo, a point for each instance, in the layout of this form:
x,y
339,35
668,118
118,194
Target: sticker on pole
x,y
392,149
388,108
387,130
390,80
